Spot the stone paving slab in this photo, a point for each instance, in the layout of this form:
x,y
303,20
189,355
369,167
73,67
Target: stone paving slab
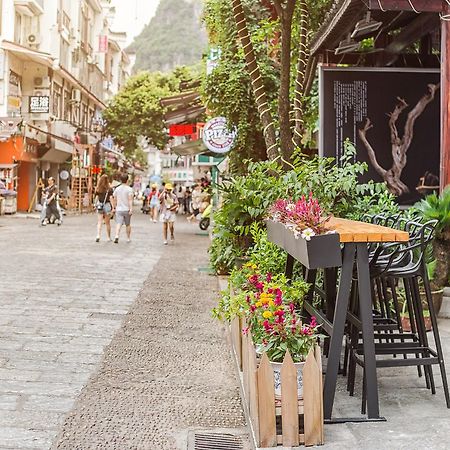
x,y
59,308
168,370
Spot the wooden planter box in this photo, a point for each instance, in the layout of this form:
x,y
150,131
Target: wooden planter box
x,y
318,253
288,422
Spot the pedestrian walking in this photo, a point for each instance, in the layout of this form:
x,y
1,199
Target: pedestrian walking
x,y
103,205
169,205
197,198
154,202
187,201
123,205
180,195
51,203
145,199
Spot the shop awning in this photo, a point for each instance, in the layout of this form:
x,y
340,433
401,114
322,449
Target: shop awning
x,y
190,148
28,54
56,156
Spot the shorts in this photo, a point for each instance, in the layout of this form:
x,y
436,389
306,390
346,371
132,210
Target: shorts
x,y
123,218
105,210
168,216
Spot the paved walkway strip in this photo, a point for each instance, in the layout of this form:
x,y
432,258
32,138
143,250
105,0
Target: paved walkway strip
x,y
168,370
59,308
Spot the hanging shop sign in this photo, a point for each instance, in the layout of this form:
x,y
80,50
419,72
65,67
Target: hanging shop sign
x,y
103,43
39,104
217,137
182,130
14,93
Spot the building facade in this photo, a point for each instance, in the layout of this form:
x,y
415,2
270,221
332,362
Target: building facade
x,y
59,64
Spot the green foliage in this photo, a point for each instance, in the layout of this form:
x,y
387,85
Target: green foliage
x,y
174,37
268,257
245,199
227,90
136,110
435,207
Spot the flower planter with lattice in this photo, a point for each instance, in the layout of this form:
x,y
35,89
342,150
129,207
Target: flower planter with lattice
x,y
288,421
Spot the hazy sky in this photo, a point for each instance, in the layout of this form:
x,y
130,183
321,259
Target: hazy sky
x,y
132,15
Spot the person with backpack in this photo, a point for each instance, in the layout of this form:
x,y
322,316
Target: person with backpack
x,y
103,194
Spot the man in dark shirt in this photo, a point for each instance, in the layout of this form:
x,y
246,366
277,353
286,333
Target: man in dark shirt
x,y
51,192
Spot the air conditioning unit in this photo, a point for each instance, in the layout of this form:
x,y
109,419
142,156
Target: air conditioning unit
x,y
33,39
42,82
76,95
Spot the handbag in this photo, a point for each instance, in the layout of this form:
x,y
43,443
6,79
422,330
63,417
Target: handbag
x,y
101,205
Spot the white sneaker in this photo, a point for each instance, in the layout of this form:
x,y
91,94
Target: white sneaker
x,y
165,242
128,240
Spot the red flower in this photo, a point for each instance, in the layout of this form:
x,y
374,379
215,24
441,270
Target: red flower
x,y
269,277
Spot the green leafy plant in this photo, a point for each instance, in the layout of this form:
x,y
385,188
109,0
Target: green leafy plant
x,y
246,199
435,207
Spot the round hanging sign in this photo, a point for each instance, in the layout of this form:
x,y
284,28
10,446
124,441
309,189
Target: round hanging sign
x,y
217,137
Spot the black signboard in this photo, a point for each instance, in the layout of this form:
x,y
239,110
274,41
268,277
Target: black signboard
x,y
385,112
39,104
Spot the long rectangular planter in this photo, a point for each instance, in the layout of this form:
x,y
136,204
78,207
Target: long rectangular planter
x,y
320,252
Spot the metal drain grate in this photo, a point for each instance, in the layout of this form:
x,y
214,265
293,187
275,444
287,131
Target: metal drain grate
x,y
217,442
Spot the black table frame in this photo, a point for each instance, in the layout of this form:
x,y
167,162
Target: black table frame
x,y
353,253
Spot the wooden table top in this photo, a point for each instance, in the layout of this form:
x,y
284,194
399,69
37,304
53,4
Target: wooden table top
x,y
354,231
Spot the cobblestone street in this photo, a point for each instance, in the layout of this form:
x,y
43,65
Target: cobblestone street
x,y
60,306
145,380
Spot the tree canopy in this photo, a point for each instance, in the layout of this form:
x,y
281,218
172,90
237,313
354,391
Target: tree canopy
x,y
136,111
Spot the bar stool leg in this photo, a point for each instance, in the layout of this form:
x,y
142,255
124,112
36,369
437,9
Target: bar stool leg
x,y
415,296
437,338
411,318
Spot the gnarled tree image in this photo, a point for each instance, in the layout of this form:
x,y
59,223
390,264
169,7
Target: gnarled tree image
x,y
400,146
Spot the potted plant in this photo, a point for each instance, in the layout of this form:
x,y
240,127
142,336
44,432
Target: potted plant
x,y
406,320
300,228
276,327
435,207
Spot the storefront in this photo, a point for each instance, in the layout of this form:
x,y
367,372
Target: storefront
x,y
21,155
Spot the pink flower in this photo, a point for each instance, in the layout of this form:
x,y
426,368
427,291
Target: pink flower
x,y
278,301
245,331
267,325
252,308
259,286
313,322
269,277
291,307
